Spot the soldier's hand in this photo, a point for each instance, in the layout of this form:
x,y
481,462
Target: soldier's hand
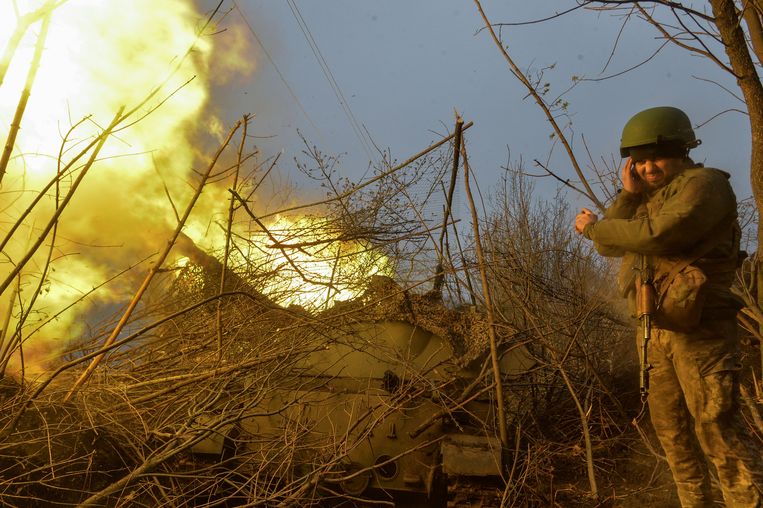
x,y
631,181
584,218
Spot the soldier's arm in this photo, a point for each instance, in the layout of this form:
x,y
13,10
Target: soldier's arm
x,y
704,199
624,206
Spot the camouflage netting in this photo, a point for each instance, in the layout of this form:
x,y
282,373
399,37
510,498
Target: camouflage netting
x,y
191,374
466,332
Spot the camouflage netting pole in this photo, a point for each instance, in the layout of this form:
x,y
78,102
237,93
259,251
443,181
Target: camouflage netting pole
x,y
490,313
439,273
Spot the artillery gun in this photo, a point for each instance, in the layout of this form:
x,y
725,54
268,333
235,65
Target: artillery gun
x,y
386,398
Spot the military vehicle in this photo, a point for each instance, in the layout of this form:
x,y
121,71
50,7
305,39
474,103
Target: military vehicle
x,y
388,399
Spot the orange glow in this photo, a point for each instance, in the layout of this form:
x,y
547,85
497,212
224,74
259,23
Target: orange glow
x,y
310,267
99,56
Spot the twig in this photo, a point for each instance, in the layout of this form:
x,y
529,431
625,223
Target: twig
x,y
43,193
21,27
155,268
558,178
370,181
750,403
10,141
546,110
279,245
101,140
647,443
229,227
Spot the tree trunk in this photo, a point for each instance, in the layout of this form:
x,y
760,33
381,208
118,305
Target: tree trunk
x,y
747,78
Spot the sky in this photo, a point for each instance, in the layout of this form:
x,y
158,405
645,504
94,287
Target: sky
x,y
404,67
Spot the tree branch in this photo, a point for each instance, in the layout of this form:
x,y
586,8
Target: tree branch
x,y
546,110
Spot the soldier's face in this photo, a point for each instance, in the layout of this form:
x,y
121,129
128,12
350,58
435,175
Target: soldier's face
x,y
656,172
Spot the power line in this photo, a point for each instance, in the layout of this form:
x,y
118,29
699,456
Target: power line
x,y
365,141
278,71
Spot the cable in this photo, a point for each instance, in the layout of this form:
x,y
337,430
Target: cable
x,y
278,71
366,143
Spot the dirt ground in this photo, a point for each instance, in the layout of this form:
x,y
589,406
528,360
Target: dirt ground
x,y
633,477
636,476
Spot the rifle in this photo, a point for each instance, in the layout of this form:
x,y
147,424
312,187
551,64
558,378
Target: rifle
x,y
645,305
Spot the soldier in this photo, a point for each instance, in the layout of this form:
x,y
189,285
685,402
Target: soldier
x,y
678,220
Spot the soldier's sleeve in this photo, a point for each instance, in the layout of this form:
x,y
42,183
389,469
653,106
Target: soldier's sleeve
x,y
703,200
623,207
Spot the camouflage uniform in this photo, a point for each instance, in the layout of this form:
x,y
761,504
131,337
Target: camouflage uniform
x,y
694,373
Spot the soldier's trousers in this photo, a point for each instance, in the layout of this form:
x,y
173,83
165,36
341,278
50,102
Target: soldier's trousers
x,y
693,404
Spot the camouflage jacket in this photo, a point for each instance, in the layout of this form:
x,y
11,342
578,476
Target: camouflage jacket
x,y
672,223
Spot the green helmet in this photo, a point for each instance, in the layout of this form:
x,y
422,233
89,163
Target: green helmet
x,y
657,126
